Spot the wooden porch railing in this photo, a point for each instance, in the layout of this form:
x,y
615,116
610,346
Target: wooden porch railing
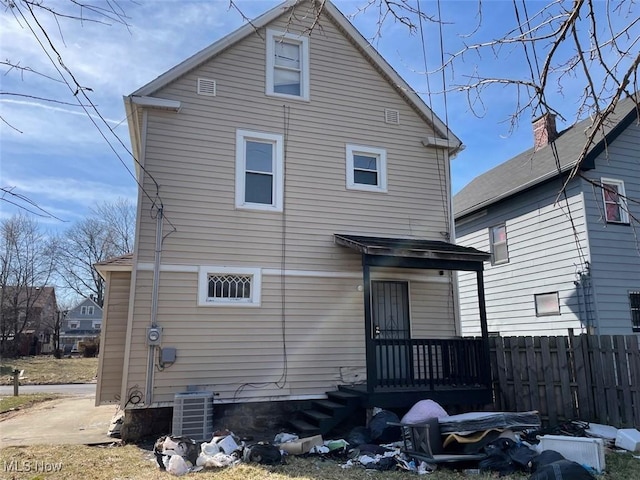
x,y
430,363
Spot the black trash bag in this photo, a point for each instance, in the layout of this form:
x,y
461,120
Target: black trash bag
x,y
381,431
359,436
506,456
382,465
562,470
545,458
262,453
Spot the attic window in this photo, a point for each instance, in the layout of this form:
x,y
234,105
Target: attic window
x,y
287,65
206,87
615,205
391,116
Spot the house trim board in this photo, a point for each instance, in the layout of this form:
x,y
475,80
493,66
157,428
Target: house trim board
x,y
222,401
419,277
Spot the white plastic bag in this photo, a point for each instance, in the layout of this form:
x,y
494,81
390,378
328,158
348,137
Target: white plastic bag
x,y
177,465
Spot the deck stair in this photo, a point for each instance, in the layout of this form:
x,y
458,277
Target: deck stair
x,y
325,415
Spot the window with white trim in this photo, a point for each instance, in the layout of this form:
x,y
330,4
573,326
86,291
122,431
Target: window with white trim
x,y
259,170
229,286
615,205
287,65
498,243
547,304
97,324
74,325
366,168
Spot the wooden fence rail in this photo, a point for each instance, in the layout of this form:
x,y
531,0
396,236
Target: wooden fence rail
x,y
585,377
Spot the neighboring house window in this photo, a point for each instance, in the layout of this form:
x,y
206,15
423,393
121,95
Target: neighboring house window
x,y
228,286
259,170
615,206
366,168
498,241
74,325
547,304
97,325
634,301
90,310
287,65
83,310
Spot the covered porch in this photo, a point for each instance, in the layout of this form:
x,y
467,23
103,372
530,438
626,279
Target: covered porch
x,y
402,369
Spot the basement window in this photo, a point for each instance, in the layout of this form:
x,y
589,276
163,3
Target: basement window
x,y
229,287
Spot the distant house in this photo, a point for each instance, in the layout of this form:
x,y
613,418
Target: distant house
x,y
28,317
308,192
559,261
83,322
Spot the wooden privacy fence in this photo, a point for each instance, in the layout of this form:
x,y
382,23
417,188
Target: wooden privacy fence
x,y
586,377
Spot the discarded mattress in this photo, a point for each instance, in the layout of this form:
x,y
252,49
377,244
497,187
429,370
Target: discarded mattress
x,y
480,421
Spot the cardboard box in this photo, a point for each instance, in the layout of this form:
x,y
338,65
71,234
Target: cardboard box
x,y
302,445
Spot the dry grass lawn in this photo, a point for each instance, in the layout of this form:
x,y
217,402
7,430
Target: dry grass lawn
x,y
47,370
131,462
11,403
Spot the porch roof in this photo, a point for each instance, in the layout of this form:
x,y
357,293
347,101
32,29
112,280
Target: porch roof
x,y
413,252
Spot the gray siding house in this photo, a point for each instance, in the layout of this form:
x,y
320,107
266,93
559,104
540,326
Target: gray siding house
x,y
560,261
82,322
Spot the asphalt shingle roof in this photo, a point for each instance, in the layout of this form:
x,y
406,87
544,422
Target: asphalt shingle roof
x,y
530,168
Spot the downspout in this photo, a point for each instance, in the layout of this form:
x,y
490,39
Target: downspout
x,y
154,305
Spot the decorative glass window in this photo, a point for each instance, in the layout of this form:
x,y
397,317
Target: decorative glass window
x,y
227,286
366,168
634,302
287,65
498,242
615,206
259,170
547,304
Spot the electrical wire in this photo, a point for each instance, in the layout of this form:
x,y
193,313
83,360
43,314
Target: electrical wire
x,y
79,90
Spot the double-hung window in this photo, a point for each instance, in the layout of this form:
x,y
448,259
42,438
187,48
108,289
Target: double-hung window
x,y
366,168
287,65
615,206
259,170
229,286
498,242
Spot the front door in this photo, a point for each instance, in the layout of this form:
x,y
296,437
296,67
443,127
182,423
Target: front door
x,y
390,329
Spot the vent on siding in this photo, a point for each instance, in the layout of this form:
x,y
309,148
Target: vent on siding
x,y
206,87
193,415
391,116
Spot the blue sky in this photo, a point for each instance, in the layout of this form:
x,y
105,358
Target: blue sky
x,y
54,155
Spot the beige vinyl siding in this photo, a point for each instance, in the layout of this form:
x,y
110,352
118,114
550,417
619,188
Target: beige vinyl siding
x,y
224,349
192,156
113,337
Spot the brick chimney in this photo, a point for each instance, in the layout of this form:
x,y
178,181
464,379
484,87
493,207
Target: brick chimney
x,y
544,130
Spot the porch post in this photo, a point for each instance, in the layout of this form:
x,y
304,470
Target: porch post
x,y
369,346
483,326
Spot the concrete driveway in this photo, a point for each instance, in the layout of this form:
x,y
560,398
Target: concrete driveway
x,y
71,420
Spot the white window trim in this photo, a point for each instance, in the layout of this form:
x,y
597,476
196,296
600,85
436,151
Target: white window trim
x,y
74,325
278,170
382,172
96,324
492,244
274,36
624,214
203,286
83,310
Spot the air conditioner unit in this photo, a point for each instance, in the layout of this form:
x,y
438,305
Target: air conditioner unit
x,y
193,415
585,451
